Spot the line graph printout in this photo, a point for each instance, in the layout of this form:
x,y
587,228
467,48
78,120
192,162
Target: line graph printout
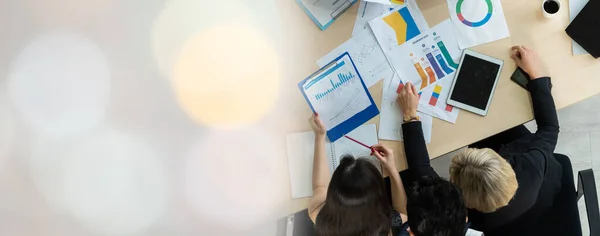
x,y
368,57
477,21
338,94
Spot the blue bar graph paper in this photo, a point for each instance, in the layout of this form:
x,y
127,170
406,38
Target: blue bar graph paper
x,y
343,78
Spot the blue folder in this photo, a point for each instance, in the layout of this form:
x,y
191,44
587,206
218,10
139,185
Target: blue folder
x,y
334,133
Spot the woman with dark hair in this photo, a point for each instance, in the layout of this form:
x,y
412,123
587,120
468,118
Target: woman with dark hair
x,y
354,200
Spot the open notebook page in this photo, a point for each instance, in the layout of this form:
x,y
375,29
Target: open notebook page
x,y
300,152
366,134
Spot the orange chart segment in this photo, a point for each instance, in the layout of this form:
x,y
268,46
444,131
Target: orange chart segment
x,y
431,79
430,73
422,74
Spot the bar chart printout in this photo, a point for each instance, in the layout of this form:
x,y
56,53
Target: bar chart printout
x,y
429,61
337,92
343,78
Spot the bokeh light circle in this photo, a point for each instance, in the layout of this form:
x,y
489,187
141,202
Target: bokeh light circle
x,y
235,176
61,13
60,84
227,76
7,128
113,182
182,19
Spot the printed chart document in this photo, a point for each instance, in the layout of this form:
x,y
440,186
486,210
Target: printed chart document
x,y
394,28
300,152
575,6
477,22
390,121
436,94
368,11
429,61
324,12
385,2
338,94
370,61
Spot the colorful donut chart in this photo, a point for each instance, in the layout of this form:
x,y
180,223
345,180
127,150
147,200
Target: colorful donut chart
x,y
488,16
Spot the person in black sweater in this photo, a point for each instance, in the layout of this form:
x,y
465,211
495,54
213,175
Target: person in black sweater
x,y
434,205
513,176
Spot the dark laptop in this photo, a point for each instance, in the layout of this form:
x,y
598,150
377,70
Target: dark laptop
x,y
585,28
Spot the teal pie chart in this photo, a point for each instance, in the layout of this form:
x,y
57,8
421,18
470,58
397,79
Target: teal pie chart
x,y
488,16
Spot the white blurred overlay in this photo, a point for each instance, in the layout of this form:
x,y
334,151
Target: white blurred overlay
x,y
217,64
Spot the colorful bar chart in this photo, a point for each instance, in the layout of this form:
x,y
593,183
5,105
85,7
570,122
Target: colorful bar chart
x,y
435,96
447,54
435,66
443,64
343,78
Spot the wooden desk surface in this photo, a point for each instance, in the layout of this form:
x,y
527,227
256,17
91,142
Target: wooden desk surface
x,y
574,77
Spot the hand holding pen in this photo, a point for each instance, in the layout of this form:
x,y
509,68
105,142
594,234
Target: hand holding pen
x,y
362,144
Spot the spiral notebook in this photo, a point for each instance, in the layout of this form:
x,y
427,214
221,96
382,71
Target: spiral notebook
x,y
300,152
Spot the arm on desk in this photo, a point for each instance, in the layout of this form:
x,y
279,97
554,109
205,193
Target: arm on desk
x,y
386,156
321,174
414,145
544,110
544,141
414,142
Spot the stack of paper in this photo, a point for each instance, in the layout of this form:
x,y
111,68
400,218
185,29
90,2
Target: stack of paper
x,y
429,61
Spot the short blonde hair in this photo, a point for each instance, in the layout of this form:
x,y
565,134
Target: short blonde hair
x,y
487,180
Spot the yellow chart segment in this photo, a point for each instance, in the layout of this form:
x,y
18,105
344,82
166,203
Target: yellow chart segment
x,y
437,89
398,1
398,24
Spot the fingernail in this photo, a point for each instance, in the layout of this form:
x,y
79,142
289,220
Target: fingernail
x,y
316,114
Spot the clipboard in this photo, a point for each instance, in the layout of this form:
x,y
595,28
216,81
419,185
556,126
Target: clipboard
x,y
348,79
324,12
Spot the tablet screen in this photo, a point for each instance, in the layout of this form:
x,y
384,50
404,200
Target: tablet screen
x,y
475,82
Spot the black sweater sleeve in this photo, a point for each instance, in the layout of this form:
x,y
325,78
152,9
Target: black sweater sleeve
x,y
544,110
415,148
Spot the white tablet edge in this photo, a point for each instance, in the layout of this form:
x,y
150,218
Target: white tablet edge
x,y
468,107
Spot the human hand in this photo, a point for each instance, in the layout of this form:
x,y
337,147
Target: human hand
x,y
408,100
317,126
385,155
528,60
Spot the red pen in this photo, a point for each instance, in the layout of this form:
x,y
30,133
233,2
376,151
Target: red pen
x,y
356,141
362,144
